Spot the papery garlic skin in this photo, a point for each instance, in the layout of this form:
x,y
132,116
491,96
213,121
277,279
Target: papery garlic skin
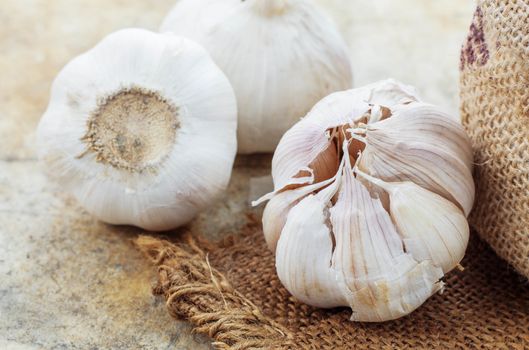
x,y
372,189
141,129
281,56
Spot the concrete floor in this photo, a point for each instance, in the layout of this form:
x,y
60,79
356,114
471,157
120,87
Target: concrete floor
x,y
68,281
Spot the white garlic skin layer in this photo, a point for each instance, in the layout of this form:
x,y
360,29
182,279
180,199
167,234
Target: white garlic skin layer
x,y
372,190
281,56
141,129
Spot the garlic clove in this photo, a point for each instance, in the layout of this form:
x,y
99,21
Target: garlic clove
x,y
380,280
304,143
439,231
304,253
414,163
432,228
434,125
408,286
434,154
277,209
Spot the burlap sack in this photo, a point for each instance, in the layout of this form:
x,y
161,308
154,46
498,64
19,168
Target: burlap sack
x,y
495,112
230,292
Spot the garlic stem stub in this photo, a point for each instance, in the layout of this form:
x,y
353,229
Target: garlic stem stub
x,y
372,191
141,129
281,56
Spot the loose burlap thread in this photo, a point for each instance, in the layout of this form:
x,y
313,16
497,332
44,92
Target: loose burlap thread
x,y
230,291
495,112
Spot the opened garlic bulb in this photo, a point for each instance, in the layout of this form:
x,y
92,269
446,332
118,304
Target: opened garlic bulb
x,y
372,190
141,129
281,56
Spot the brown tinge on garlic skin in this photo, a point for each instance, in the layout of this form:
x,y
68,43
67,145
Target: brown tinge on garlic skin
x,y
372,190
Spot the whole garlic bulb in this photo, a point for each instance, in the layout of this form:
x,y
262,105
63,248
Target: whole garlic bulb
x,y
281,56
141,129
372,190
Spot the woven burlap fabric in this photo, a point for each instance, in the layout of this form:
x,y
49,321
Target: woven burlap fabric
x,y
495,112
230,291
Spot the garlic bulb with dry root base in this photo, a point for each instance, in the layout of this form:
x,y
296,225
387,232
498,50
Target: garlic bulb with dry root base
x,y
372,189
141,129
281,56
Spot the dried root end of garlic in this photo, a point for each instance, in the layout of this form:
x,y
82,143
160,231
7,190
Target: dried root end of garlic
x,y
141,129
372,189
133,129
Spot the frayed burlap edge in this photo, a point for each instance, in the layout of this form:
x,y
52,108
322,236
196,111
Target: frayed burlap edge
x,y
200,294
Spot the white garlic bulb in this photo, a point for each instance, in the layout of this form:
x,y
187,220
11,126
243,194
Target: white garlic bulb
x,y
281,56
141,129
372,190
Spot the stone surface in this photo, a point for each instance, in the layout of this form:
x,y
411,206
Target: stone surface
x,y
70,282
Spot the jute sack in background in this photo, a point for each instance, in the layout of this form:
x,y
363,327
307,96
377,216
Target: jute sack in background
x,y
495,112
230,292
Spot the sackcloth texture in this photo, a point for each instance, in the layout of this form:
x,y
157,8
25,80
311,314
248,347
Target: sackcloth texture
x,y
495,111
230,291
